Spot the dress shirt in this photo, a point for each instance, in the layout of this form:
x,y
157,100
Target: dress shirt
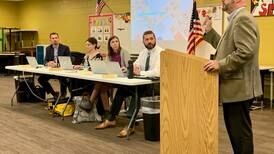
x,y
55,49
154,62
234,13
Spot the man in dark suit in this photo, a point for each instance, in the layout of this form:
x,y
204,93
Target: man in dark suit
x,y
51,60
236,60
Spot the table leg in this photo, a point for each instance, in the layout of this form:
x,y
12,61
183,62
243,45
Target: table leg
x,y
262,72
136,110
271,89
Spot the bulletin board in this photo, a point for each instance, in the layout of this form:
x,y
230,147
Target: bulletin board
x,y
101,27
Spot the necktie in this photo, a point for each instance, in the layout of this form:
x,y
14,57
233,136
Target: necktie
x,y
55,55
147,61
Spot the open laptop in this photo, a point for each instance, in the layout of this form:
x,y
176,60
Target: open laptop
x,y
33,62
65,62
99,67
102,67
115,68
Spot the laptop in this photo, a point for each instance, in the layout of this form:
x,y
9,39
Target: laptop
x,y
102,67
99,67
65,62
33,62
115,68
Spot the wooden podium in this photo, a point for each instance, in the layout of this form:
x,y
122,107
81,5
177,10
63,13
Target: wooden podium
x,y
189,105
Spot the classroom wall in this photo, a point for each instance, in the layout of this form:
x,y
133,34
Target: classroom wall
x,y
67,17
266,27
8,14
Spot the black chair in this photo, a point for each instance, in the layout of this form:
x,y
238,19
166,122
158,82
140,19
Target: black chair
x,y
77,57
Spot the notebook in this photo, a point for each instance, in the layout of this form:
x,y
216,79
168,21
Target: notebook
x,y
65,62
33,62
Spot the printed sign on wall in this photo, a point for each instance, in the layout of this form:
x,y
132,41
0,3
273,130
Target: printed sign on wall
x,y
262,7
101,27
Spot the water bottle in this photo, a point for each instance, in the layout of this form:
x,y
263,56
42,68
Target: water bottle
x,y
130,69
85,64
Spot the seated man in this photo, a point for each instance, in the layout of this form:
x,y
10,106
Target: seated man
x,y
51,60
147,64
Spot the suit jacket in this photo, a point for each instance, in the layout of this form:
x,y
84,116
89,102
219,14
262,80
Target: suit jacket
x,y
237,53
63,50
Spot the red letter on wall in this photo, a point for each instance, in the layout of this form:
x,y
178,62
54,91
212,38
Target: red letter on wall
x,y
264,10
270,9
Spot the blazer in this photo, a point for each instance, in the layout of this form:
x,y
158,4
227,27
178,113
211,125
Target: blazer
x,y
63,50
237,53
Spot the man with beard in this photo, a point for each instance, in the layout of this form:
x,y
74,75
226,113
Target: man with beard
x,y
236,61
147,64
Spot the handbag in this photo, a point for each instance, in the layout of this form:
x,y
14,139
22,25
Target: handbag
x,y
85,103
82,115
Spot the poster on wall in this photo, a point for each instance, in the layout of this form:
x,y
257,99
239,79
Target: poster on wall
x,y
262,7
101,27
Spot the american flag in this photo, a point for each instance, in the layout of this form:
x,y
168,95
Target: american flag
x,y
195,32
99,6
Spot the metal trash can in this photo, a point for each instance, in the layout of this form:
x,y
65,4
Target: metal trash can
x,y
151,115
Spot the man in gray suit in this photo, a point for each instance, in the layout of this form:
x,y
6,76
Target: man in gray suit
x,y
236,61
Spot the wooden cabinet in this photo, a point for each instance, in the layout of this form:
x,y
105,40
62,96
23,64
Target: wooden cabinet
x,y
21,40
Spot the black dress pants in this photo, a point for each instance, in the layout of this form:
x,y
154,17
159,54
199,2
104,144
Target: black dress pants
x,y
238,125
123,92
44,82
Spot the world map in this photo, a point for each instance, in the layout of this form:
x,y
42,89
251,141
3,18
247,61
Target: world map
x,y
169,19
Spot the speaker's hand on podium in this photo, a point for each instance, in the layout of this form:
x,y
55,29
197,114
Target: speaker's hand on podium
x,y
212,66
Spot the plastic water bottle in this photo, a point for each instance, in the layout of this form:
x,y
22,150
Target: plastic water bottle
x,y
85,64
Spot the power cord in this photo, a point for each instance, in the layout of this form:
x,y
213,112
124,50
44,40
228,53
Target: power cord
x,y
41,99
11,101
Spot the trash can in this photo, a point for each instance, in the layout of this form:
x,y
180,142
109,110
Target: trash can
x,y
151,115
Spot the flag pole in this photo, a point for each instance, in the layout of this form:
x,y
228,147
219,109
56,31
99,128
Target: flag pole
x,y
109,8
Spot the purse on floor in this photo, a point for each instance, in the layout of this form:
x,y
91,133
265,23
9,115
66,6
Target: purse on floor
x,y
82,115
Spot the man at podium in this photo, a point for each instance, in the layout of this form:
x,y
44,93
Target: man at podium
x,y
236,60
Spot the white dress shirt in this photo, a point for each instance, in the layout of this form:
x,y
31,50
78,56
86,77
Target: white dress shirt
x,y
233,14
55,49
154,62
